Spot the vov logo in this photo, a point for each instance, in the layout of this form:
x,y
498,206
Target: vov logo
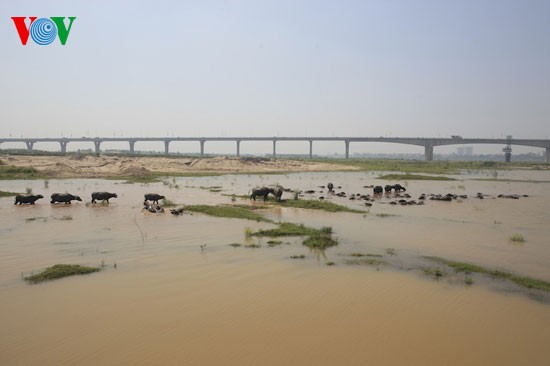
x,y
43,30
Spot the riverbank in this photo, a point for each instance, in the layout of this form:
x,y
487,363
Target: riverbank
x,y
147,167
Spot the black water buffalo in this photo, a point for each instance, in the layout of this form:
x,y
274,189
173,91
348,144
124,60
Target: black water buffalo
x,y
30,198
377,190
388,188
64,198
153,197
103,196
264,191
398,187
330,187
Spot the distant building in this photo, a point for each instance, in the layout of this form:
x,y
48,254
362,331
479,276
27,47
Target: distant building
x,y
465,150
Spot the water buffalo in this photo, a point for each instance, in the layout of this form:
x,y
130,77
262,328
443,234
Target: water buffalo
x,y
64,198
377,190
278,193
153,197
398,187
103,196
330,187
388,188
264,191
30,198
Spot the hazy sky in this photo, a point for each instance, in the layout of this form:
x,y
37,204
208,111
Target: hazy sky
x,y
264,68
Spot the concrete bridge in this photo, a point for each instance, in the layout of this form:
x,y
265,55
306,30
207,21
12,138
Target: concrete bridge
x,y
428,143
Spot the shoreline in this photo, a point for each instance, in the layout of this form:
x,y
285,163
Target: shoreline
x,y
150,168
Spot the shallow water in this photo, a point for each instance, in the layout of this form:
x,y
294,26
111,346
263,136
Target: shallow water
x,y
169,302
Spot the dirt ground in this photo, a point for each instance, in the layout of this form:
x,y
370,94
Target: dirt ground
x,y
86,166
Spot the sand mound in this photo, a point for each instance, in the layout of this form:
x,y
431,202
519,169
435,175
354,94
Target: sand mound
x,y
75,165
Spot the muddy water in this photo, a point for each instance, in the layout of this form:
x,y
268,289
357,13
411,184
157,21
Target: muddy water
x,y
169,302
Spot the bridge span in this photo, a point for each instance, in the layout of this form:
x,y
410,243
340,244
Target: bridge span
x,y
429,143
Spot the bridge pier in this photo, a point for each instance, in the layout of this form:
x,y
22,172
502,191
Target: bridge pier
x,y
97,147
166,147
238,147
274,149
310,149
29,144
429,153
202,146
547,155
132,146
347,148
63,146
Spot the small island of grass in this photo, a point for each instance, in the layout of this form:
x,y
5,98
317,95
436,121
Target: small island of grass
x,y
59,271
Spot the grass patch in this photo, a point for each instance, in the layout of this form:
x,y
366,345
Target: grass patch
x,y
18,172
517,238
60,271
365,255
253,246
318,205
317,238
235,245
511,180
289,229
431,167
472,268
273,243
320,241
413,177
330,263
433,272
153,177
168,203
365,261
8,194
227,211
301,256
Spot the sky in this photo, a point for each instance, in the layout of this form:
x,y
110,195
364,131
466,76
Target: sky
x,y
474,68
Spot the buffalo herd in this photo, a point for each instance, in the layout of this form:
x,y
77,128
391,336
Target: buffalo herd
x,y
396,191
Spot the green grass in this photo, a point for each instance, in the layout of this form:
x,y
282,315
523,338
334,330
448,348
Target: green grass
x,y
365,255
235,245
287,229
60,271
236,212
511,180
168,203
472,268
318,205
301,256
432,167
365,261
10,172
273,243
317,238
517,238
153,177
7,194
433,272
413,177
320,241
